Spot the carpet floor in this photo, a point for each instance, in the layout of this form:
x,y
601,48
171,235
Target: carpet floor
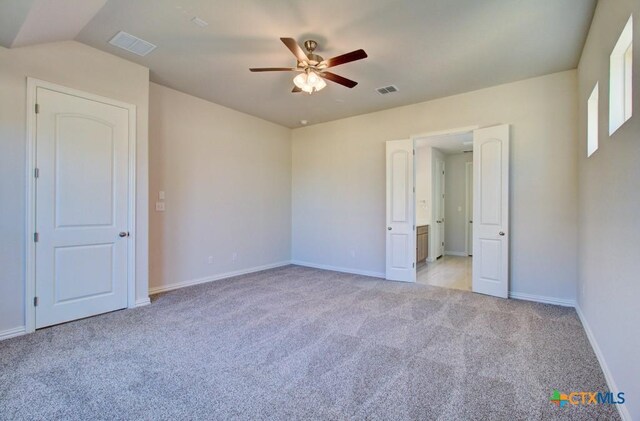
x,y
301,343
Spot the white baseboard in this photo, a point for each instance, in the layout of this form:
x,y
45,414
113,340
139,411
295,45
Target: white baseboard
x,y
171,287
542,299
141,302
12,333
339,269
622,410
456,253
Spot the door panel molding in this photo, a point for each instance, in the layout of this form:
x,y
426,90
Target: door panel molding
x,y
30,226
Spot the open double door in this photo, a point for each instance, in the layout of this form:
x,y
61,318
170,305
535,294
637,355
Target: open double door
x,y
490,211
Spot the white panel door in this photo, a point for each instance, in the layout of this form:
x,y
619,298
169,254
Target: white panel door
x,y
81,207
491,211
401,236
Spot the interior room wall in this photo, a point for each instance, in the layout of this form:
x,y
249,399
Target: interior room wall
x,y
609,202
227,182
80,67
339,180
423,185
454,203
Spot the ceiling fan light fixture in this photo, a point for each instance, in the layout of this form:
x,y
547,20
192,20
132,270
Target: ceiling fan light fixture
x,y
309,82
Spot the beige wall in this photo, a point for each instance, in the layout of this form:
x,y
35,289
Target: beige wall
x,y
609,203
455,201
80,67
227,180
339,180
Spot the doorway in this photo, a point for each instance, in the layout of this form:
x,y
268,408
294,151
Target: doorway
x,y
445,158
481,239
81,205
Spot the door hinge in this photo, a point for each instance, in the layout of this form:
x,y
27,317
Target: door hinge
x,y
414,152
35,301
36,237
37,108
413,264
414,227
36,172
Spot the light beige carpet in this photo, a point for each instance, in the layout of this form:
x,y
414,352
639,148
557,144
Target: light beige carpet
x,y
299,343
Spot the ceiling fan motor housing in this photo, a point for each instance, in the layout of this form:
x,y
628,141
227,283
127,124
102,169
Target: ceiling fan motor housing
x,y
310,45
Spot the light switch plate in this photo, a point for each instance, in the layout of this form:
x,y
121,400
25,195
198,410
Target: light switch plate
x,y
159,206
161,195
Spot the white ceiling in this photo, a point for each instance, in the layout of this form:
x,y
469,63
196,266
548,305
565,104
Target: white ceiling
x,y
427,48
448,144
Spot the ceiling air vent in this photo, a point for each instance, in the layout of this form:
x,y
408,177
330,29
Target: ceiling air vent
x,y
132,44
387,90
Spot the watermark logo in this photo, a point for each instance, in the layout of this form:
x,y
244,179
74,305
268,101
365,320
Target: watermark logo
x,y
559,399
586,398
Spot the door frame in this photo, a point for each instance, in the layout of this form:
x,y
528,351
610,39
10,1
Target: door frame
x,y
30,278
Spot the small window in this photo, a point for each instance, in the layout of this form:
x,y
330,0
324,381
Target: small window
x,y
620,82
592,122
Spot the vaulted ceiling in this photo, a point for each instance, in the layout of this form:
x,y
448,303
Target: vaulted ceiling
x,y
427,48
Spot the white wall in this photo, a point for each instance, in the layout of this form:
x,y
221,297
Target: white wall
x,y
455,201
339,180
609,203
80,67
227,180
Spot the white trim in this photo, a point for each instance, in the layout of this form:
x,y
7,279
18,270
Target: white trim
x,y
12,333
30,280
542,299
171,287
143,302
339,269
622,409
456,253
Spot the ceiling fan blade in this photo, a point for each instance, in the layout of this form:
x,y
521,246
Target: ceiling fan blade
x,y
273,69
295,49
339,79
345,58
296,89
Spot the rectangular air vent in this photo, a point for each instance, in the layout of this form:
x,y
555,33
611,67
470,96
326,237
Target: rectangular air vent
x,y
387,89
132,44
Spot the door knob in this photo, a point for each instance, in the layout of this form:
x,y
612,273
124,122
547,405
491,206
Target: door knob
x,y
124,234
389,228
501,233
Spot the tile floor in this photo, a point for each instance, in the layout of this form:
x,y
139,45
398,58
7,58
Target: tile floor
x,y
448,272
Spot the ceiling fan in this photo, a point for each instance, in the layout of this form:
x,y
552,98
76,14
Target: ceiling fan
x,y
313,68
